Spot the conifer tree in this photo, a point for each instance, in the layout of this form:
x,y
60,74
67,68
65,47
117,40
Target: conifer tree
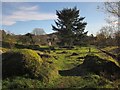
x,y
69,26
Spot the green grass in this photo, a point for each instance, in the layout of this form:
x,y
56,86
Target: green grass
x,y
109,58
66,62
21,82
90,81
63,59
110,48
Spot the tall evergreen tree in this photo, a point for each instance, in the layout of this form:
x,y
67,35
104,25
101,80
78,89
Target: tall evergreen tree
x,y
70,26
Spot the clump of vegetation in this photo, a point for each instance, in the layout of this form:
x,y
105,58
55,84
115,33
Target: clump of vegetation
x,y
93,62
74,54
102,67
48,71
21,46
20,62
21,82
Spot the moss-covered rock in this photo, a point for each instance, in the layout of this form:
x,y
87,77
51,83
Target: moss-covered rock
x,y
93,63
48,71
20,62
102,67
48,68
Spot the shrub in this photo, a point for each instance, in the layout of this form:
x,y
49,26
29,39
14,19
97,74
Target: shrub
x,y
20,46
8,44
35,47
20,62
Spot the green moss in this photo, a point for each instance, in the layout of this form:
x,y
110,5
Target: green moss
x,y
48,71
102,67
25,61
21,61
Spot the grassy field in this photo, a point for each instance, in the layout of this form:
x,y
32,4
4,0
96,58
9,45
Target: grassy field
x,y
68,59
69,64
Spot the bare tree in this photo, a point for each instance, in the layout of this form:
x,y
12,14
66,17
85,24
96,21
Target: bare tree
x,y
105,37
112,8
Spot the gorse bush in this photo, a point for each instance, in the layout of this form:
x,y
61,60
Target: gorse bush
x,y
20,62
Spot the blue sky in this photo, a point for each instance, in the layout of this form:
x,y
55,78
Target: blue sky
x,y
23,17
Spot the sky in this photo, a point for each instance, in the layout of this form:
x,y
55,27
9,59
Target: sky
x,y
23,17
59,0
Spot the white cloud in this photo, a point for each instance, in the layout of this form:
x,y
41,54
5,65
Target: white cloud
x,y
26,14
29,8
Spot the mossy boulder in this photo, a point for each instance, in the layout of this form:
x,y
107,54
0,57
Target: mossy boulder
x,y
48,71
102,67
48,68
20,62
93,63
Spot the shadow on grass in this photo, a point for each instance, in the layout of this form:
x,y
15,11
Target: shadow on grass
x,y
76,71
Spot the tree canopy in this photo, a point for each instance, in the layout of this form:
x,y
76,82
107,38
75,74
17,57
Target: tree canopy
x,y
70,26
